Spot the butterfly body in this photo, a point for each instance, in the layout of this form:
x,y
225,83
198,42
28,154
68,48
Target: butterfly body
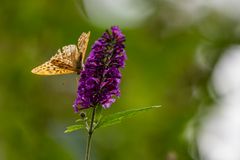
x,y
68,59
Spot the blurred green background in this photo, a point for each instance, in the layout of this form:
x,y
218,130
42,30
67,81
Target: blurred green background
x,y
172,52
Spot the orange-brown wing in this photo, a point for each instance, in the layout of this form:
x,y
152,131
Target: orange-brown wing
x,y
48,69
82,47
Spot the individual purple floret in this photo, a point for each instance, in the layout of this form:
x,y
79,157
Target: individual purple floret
x,y
100,78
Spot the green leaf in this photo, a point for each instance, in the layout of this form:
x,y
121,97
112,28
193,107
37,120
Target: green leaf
x,y
74,128
79,120
118,117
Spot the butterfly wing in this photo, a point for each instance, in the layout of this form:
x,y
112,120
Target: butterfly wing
x,y
82,47
63,58
60,63
48,69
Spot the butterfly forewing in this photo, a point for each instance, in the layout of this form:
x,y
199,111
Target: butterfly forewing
x,y
67,60
49,69
82,47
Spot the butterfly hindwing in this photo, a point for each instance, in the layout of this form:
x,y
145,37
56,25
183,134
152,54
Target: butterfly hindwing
x,y
63,58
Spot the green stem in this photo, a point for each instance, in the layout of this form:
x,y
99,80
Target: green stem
x,y
90,132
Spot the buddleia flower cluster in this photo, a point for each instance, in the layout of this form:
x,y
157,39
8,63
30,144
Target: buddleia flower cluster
x,y
98,86
101,76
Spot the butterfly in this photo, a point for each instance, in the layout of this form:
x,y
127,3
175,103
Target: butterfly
x,y
68,59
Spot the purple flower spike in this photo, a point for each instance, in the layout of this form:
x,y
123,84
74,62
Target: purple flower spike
x,y
100,78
